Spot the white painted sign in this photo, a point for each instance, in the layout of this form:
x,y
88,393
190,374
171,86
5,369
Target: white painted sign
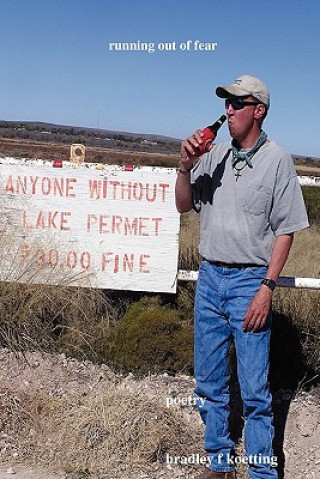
x,y
108,228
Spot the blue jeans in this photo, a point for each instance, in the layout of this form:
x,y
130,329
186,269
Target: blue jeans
x,y
222,298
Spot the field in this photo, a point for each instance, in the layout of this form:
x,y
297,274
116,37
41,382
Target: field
x,y
86,375
32,149
163,153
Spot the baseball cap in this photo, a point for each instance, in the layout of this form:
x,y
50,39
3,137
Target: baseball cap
x,y
246,85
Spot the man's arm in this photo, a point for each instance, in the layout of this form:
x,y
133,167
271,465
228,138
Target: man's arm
x,y
183,192
259,307
189,154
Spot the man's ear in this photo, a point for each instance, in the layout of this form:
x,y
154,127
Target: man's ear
x,y
259,111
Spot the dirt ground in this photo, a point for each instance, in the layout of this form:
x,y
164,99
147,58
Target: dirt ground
x,y
26,472
308,170
56,377
51,151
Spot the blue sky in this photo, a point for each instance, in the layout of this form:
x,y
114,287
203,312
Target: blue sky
x,y
56,65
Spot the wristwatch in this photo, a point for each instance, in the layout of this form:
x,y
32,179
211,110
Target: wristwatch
x,y
269,283
185,171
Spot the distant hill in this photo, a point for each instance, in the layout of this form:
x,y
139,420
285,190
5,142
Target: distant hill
x,y
306,159
51,128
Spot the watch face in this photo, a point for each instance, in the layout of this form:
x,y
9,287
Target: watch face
x,y
269,283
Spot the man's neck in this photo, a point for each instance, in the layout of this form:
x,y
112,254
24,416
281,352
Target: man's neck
x,y
249,141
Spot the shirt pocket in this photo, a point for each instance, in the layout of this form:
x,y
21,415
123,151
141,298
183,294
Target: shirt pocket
x,y
256,199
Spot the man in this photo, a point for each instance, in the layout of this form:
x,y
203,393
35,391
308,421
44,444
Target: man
x,y
250,204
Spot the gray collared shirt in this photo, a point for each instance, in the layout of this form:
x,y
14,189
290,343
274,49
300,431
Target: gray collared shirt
x,y
240,217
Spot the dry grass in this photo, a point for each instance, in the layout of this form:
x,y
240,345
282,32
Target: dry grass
x,y
116,433
189,240
304,257
44,317
34,317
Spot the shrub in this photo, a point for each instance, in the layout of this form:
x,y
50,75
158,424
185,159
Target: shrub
x,y
150,337
98,159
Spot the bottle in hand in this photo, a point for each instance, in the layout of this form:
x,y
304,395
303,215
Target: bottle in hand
x,y
210,133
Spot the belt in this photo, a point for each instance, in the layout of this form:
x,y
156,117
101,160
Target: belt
x,y
236,265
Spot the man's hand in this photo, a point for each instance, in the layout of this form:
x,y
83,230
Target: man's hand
x,y
190,145
189,149
258,310
189,153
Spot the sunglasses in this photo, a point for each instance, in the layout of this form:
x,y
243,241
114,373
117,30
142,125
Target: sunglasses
x,y
238,103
